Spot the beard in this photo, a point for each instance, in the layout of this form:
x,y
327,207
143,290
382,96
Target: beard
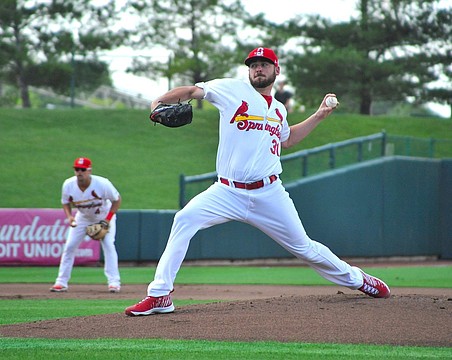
x,y
260,82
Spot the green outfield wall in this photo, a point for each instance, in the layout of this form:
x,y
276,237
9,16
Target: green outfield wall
x,y
391,206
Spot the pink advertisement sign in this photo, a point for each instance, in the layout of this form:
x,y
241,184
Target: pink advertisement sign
x,y
37,237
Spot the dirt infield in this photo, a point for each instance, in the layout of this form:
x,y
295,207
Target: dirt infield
x,y
327,314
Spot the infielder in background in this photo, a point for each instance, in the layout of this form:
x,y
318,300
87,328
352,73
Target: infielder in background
x,y
253,128
95,199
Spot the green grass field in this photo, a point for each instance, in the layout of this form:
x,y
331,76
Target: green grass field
x,y
434,276
38,147
26,310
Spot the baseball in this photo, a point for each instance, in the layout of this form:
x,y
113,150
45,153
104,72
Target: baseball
x,y
73,223
331,101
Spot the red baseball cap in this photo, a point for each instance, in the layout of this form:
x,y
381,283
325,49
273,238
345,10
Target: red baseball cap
x,y
83,163
262,53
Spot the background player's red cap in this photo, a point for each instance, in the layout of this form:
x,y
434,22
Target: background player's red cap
x,y
262,53
83,163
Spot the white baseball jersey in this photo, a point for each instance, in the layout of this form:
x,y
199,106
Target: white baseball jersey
x,y
251,132
92,204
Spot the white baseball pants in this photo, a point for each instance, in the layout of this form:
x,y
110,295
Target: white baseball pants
x,y
75,237
269,209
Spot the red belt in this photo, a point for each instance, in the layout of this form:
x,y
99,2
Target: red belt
x,y
249,186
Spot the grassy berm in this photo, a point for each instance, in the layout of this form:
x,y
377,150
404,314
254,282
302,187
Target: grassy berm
x,y
38,147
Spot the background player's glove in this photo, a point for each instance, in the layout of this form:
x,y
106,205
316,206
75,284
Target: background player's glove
x,y
172,115
97,231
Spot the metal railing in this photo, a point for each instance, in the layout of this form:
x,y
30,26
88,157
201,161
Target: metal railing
x,y
313,161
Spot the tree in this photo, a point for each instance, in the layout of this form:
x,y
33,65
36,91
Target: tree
x,y
196,39
39,41
395,51
439,61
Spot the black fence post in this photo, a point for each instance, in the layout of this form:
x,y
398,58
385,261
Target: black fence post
x,y
383,143
181,191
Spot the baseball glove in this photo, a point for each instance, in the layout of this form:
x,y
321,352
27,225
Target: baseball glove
x,y
172,115
97,231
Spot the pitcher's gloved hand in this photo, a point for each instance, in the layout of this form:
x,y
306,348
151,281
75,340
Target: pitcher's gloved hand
x,y
172,115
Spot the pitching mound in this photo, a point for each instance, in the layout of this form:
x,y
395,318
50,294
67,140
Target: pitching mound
x,y
421,317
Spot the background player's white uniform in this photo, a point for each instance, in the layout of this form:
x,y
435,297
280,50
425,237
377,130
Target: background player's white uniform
x,y
249,148
92,206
